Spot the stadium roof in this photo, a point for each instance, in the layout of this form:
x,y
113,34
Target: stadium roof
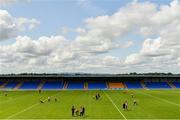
x,y
90,75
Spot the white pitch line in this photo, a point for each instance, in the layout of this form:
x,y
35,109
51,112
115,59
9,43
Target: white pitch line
x,y
114,105
26,109
23,110
167,101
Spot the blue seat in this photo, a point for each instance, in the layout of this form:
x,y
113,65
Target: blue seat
x,y
133,85
11,85
97,85
53,85
177,84
157,85
1,83
30,85
75,85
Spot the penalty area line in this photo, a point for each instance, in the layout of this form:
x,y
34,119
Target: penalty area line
x,y
114,105
161,99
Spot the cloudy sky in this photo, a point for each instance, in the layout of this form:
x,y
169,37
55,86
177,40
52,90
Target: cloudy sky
x,y
93,36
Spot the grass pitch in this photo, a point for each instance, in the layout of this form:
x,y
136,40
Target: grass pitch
x,y
153,104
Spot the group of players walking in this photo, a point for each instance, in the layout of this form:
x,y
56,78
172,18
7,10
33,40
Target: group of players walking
x,y
81,110
78,112
125,104
97,96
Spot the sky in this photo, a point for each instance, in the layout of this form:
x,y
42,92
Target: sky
x,y
89,36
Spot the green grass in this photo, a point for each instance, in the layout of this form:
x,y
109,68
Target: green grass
x,y
153,104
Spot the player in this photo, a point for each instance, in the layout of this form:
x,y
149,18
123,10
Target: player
x,y
55,99
41,101
39,90
83,111
134,102
73,110
132,95
98,95
49,99
126,105
77,112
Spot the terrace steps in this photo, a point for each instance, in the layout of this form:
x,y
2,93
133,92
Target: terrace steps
x,y
18,85
143,85
41,85
171,85
125,86
86,85
65,85
107,85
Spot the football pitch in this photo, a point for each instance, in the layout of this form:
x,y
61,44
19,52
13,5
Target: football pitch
x,y
152,104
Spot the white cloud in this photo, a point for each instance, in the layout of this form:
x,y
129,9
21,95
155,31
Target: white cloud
x,y
10,26
164,49
133,59
24,22
81,31
160,52
151,47
91,49
111,61
25,48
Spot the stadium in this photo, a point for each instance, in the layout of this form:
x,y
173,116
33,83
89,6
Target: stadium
x,y
157,96
90,59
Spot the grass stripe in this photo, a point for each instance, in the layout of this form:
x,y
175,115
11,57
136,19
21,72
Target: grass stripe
x,y
26,109
114,105
120,96
167,101
13,98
